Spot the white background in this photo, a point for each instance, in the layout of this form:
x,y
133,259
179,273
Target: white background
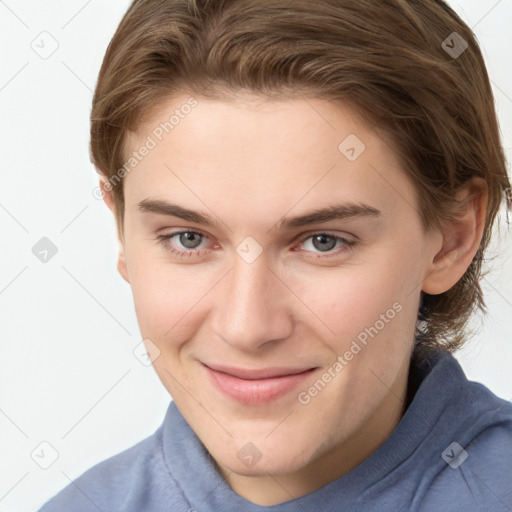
x,y
68,327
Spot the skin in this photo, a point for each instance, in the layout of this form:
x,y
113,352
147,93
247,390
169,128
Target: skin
x,y
248,163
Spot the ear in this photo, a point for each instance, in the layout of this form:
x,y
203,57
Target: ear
x,y
108,197
461,238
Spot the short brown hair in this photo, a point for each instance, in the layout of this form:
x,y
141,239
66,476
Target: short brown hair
x,y
386,58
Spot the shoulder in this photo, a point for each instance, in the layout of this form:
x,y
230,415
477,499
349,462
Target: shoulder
x,y
472,472
123,479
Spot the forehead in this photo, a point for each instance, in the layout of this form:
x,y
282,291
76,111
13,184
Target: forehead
x,y
191,117
263,155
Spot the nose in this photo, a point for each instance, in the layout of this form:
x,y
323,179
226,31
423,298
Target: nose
x,y
252,307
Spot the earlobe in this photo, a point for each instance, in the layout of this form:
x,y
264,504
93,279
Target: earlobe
x,y
106,193
108,197
461,239
121,264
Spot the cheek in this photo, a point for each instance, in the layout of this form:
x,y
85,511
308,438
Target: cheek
x,y
167,297
367,312
349,300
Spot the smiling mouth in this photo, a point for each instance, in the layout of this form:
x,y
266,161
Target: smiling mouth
x,y
258,386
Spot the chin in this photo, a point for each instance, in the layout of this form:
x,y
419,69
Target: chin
x,y
262,458
268,467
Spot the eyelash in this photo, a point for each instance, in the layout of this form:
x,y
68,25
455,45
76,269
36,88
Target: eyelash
x,y
165,241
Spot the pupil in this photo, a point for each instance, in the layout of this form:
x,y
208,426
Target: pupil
x,y
190,240
324,242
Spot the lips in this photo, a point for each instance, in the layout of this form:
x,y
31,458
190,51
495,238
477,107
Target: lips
x,y
256,386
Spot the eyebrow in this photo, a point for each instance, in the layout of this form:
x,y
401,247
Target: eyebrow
x,y
161,207
334,212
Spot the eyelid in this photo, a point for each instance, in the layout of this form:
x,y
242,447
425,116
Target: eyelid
x,y
349,237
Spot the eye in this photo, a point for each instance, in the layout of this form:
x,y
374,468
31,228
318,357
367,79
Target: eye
x,y
191,244
184,243
319,243
189,239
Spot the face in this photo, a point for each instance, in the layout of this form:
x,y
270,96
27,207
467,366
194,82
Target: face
x,y
276,256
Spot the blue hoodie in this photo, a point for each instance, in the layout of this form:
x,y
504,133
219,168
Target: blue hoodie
x,y
451,451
